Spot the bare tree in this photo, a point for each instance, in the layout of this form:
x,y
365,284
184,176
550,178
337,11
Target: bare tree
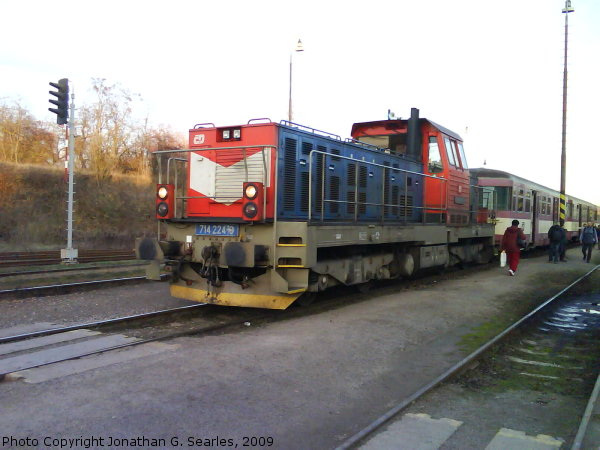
x,y
23,139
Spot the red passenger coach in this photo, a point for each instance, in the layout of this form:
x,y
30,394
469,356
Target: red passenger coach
x,y
223,158
536,207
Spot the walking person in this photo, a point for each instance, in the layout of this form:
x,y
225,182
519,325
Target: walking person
x,y
588,239
512,246
555,236
598,235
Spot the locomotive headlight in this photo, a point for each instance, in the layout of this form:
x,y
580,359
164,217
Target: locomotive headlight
x,y
162,209
226,134
162,192
250,210
237,133
250,191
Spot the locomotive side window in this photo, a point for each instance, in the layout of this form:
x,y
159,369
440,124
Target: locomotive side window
x,y
395,142
463,159
398,144
456,154
435,159
378,141
449,152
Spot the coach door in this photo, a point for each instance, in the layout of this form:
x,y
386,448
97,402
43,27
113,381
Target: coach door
x,y
534,217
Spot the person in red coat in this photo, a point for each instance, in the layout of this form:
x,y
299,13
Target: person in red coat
x,y
511,247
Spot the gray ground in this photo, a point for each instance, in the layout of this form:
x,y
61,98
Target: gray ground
x,y
307,382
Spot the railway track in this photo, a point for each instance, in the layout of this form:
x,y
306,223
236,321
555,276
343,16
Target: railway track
x,y
53,289
10,259
27,351
554,346
66,269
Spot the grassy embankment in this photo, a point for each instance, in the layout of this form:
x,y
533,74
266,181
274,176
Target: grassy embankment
x,y
108,214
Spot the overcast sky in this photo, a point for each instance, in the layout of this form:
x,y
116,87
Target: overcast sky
x,y
489,70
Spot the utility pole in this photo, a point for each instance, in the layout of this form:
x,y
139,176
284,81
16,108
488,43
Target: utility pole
x,y
299,48
563,157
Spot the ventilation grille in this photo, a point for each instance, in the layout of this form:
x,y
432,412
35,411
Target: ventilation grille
x,y
304,192
362,177
306,148
335,194
289,170
406,204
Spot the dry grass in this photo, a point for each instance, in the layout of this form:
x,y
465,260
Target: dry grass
x,y
108,214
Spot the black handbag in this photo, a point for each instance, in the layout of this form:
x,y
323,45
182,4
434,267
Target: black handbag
x,y
521,243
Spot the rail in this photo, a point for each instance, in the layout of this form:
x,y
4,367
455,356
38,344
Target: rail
x,y
54,257
287,123
360,436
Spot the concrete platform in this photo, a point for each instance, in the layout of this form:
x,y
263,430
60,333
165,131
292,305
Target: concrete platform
x,y
414,432
77,366
43,341
518,440
49,355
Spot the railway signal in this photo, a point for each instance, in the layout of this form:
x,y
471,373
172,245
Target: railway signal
x,y
69,254
61,102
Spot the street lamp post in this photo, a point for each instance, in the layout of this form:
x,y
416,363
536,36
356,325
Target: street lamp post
x,y
563,157
299,48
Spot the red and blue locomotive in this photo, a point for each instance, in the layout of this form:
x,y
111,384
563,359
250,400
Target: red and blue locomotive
x,y
271,212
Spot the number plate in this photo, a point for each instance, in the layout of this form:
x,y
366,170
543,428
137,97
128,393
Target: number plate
x,y
210,229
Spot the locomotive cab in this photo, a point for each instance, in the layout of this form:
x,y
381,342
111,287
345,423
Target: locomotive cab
x,y
446,191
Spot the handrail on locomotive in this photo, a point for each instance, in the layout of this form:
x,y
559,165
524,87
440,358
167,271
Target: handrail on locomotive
x,y
402,205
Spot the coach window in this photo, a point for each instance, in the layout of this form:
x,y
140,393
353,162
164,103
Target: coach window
x,y
570,209
503,196
543,206
449,152
435,159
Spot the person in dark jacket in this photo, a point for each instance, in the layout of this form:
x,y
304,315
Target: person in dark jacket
x,y
598,235
588,239
511,247
555,236
563,245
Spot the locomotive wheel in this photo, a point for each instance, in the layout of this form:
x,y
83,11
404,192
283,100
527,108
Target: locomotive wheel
x,y
306,299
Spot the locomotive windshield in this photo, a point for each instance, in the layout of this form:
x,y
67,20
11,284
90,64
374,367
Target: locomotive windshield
x,y
396,143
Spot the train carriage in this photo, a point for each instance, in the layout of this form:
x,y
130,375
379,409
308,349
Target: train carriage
x,y
536,207
272,211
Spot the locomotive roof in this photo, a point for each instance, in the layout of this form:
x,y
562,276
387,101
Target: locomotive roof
x,y
403,121
494,173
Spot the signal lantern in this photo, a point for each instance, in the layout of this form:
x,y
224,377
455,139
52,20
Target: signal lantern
x,y
61,102
165,201
253,201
